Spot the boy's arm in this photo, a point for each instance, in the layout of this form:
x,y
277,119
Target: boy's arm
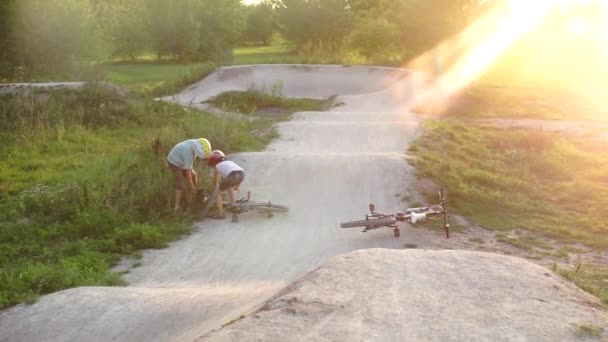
x,y
190,181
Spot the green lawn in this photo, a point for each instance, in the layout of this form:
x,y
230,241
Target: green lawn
x,y
277,52
148,75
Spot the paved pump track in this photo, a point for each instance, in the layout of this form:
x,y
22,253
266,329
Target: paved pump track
x,y
326,166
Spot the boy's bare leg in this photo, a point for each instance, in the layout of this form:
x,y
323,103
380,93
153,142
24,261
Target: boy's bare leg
x,y
219,203
189,198
178,197
231,196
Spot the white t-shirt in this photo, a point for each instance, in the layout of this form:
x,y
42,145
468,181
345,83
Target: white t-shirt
x,y
224,168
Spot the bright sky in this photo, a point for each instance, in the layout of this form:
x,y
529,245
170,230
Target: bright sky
x,y
250,2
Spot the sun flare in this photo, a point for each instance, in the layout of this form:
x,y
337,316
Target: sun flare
x,y
457,62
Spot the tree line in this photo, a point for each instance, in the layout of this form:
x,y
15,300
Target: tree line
x,y
39,36
44,36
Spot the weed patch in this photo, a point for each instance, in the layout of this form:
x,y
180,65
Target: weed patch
x,y
254,102
589,277
589,330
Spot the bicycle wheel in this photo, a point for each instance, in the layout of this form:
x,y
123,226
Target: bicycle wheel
x,y
383,221
268,207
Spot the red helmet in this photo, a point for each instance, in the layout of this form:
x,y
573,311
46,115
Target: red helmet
x,y
215,157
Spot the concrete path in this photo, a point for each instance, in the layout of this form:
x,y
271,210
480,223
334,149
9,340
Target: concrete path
x,y
327,166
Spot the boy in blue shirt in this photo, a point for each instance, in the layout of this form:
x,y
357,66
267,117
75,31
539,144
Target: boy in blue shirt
x,y
181,162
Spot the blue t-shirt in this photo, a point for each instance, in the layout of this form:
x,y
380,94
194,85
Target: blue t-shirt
x,y
182,155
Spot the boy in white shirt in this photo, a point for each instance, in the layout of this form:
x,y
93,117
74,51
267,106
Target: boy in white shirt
x,y
231,174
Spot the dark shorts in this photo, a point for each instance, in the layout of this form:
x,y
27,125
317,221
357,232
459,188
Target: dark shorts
x,y
234,178
181,183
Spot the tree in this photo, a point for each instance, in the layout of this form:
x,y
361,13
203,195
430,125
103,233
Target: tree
x,y
316,24
375,38
172,26
221,23
52,36
7,52
122,27
261,23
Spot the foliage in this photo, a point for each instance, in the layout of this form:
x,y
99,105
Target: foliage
x,y
171,26
425,23
7,53
52,36
332,19
261,23
221,23
403,28
122,27
374,38
60,39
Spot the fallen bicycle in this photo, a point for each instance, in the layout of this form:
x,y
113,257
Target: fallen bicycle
x,y
375,220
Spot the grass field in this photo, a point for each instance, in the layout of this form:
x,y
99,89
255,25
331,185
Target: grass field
x,y
146,76
547,182
83,178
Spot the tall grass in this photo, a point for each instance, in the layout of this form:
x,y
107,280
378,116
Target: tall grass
x,y
83,180
31,114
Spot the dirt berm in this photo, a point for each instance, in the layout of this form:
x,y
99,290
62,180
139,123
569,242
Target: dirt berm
x,y
418,295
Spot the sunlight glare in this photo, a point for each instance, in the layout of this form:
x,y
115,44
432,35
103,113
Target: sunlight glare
x,y
457,62
578,26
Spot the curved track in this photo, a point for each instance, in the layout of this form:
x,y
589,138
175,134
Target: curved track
x,y
326,166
